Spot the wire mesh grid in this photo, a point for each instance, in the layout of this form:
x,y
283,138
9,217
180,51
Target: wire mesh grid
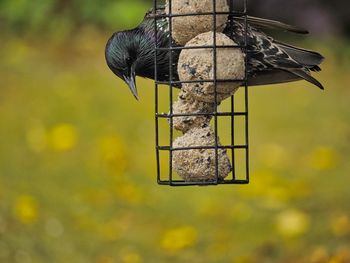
x,y
169,177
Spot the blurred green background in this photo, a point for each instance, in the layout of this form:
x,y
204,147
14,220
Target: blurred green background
x,y
77,160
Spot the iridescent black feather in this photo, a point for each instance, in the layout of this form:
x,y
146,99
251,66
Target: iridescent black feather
x,y
269,61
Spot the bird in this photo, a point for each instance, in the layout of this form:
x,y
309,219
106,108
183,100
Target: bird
x,y
131,53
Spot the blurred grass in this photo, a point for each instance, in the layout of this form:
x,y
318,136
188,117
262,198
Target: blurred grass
x,y
77,176
62,18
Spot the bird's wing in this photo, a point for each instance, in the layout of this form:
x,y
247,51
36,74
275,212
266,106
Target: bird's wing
x,y
270,61
258,22
272,76
265,54
274,62
308,58
263,23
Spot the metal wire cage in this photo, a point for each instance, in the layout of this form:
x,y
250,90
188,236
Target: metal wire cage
x,y
238,151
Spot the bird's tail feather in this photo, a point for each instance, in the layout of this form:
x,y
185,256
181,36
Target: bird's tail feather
x,y
275,76
307,58
306,76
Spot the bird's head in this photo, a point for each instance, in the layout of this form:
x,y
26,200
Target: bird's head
x,y
121,57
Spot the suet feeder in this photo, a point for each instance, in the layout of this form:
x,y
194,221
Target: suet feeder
x,y
211,68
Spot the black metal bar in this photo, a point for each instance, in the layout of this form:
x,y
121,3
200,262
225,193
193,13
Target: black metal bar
x,y
156,91
170,48
236,14
171,92
169,148
246,91
198,47
233,113
215,94
202,183
188,183
221,114
174,83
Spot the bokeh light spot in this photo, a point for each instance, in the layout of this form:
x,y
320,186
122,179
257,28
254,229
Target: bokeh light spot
x,y
292,223
26,209
63,137
179,238
323,158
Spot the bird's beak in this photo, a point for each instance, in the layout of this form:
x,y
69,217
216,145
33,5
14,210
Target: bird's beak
x,y
130,80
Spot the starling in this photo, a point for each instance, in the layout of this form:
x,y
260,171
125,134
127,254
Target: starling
x,y
131,53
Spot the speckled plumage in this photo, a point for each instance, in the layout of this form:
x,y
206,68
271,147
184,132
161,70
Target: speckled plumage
x,y
268,61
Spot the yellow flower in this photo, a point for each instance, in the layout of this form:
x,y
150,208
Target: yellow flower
x,y
291,223
63,137
26,209
179,238
323,158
